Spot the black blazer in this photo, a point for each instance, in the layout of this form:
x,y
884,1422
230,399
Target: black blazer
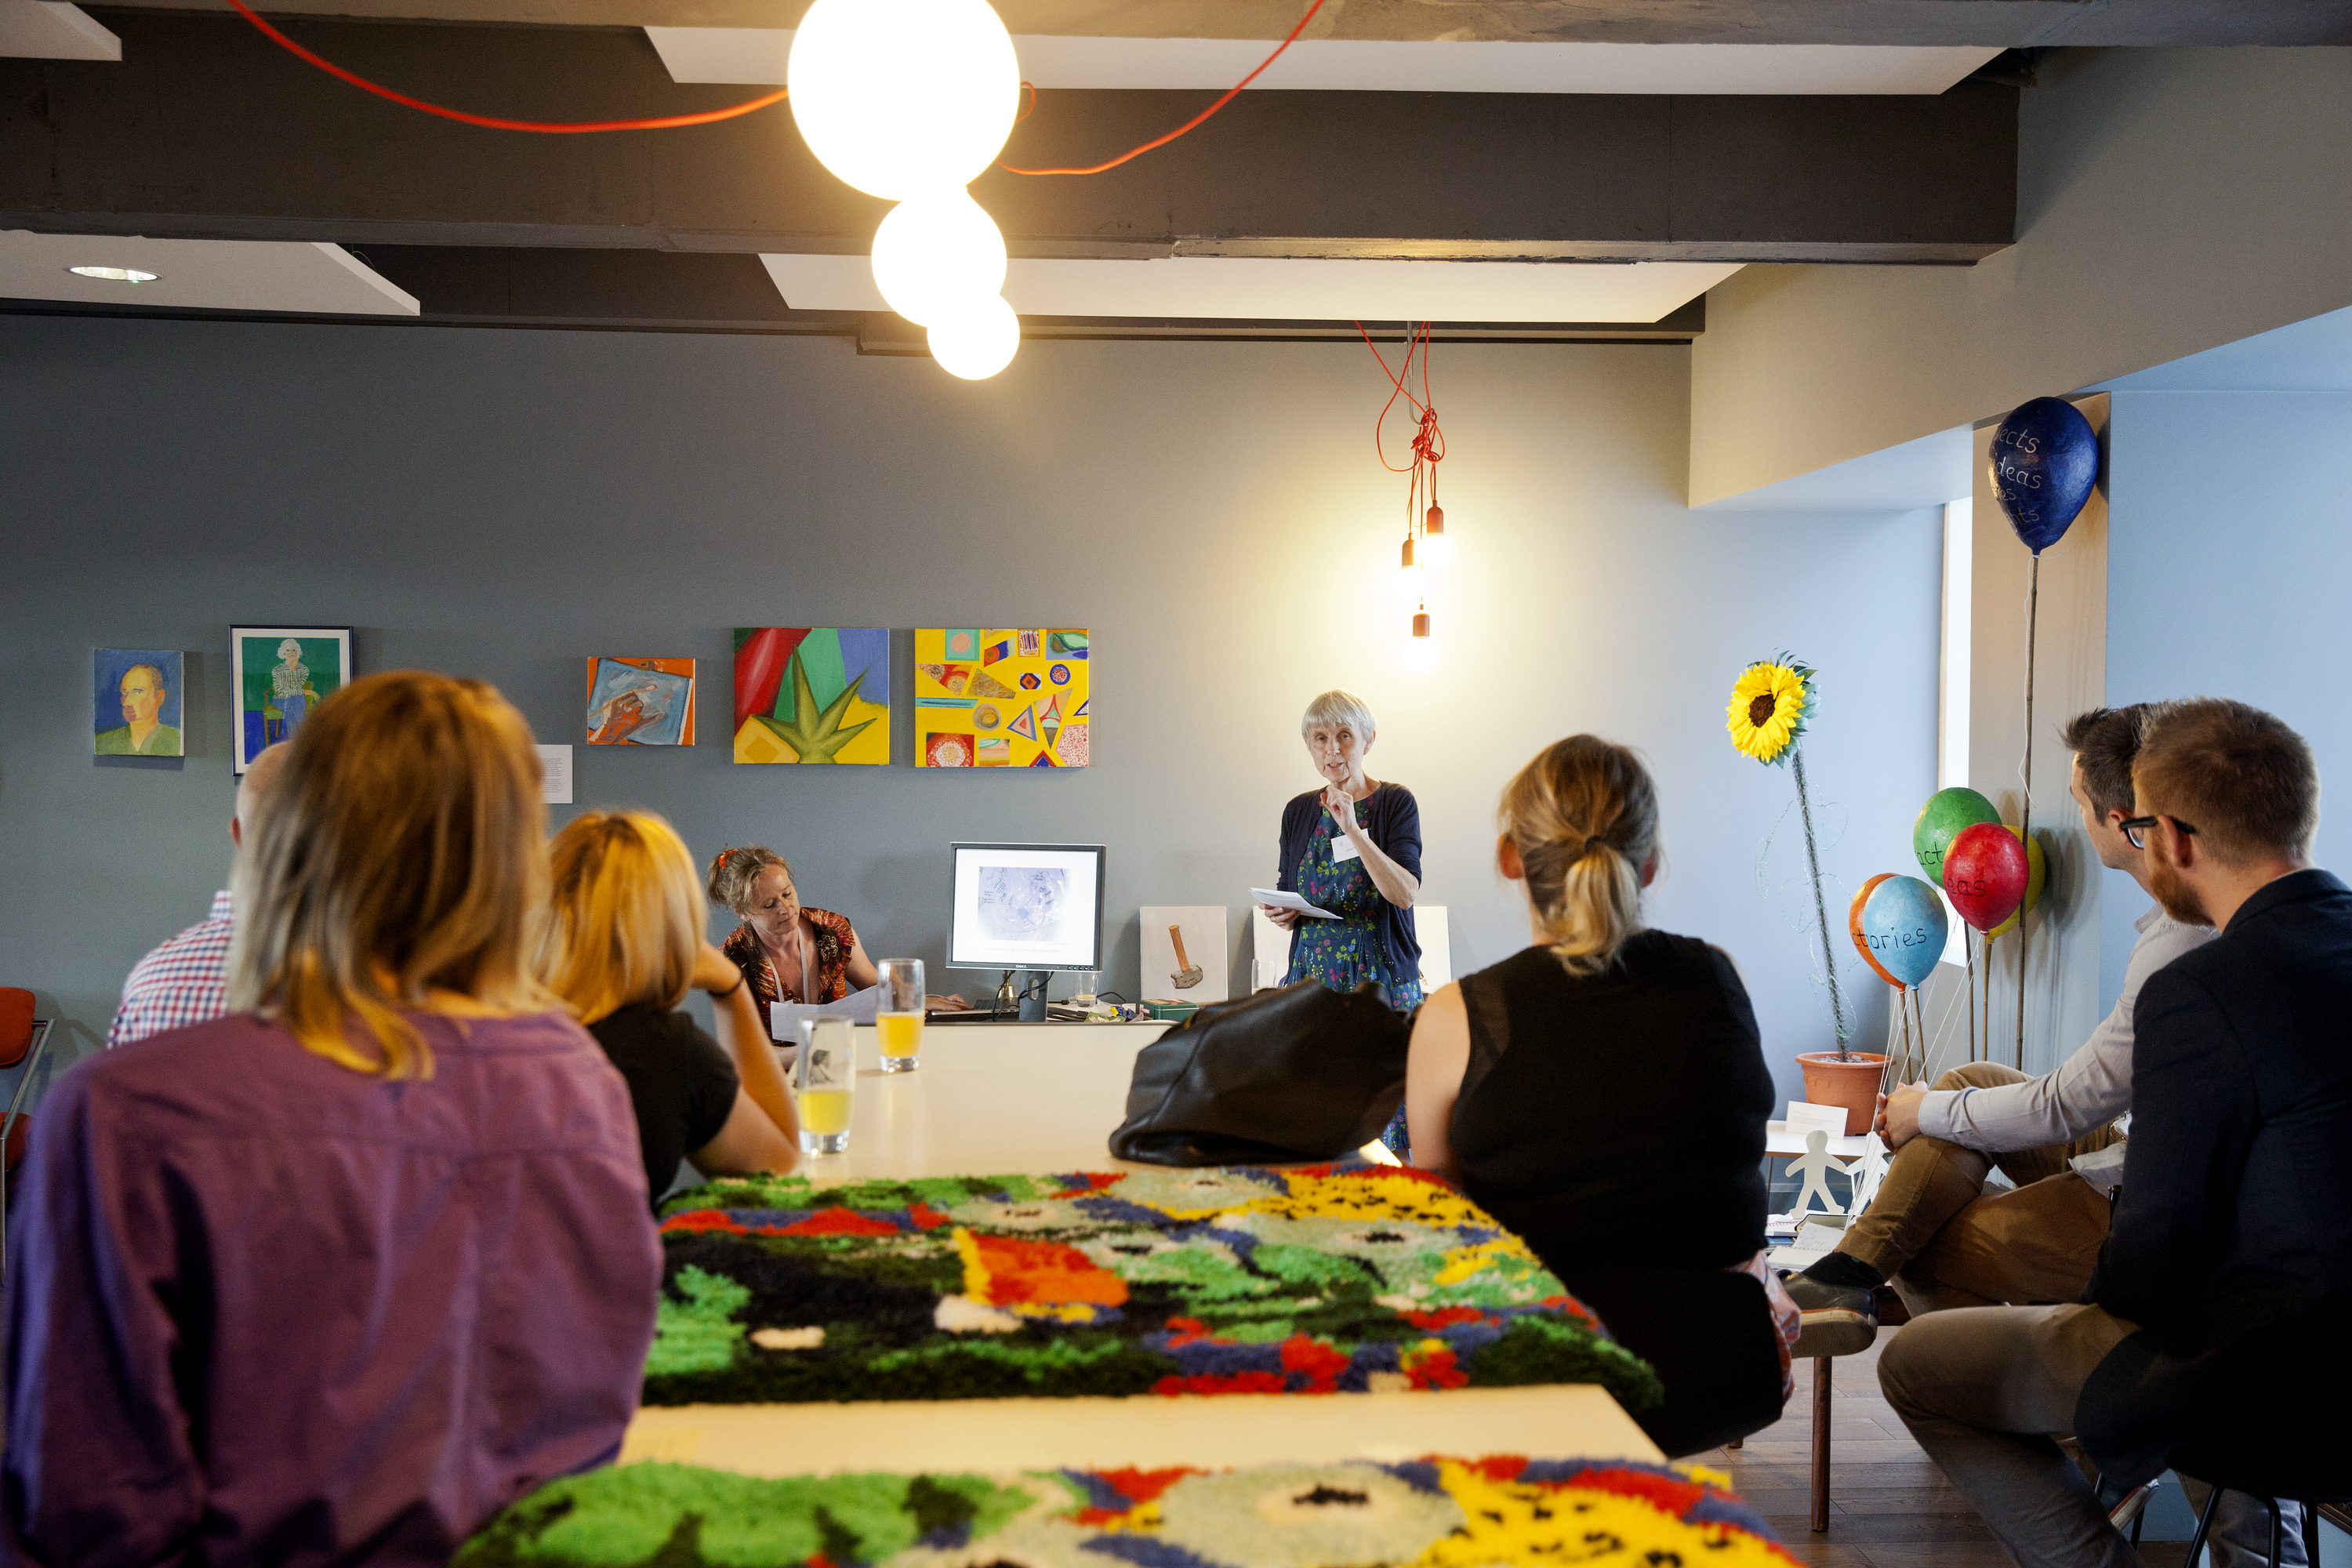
x,y
2231,1244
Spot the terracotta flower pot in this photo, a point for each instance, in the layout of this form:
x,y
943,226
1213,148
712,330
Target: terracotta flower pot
x,y
1853,1083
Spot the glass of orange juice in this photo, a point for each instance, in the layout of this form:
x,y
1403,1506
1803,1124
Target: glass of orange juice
x,y
824,1075
898,1014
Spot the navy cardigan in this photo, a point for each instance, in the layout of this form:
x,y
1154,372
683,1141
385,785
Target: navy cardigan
x,y
1392,819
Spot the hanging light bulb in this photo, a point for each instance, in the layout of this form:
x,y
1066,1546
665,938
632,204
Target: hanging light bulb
x,y
977,341
1421,648
1436,545
899,98
1411,588
937,255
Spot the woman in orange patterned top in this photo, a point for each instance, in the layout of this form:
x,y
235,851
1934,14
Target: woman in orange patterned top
x,y
788,951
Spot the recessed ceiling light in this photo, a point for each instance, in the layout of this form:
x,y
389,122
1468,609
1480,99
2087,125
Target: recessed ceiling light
x,y
114,274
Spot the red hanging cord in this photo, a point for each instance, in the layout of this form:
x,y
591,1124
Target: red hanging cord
x,y
1188,125
1428,441
545,127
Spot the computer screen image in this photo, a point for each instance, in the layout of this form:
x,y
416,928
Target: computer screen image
x,y
1026,906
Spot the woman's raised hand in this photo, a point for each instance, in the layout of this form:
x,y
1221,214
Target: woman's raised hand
x,y
1341,805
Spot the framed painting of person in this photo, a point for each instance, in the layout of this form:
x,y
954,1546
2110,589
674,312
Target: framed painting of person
x,y
136,701
278,674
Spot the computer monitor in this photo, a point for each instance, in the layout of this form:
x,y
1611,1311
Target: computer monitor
x,y
1026,906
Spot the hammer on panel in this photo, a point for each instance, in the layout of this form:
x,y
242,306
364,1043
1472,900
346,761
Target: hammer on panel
x,y
1188,973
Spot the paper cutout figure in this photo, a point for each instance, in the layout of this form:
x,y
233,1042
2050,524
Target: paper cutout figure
x,y
1867,1171
1814,1166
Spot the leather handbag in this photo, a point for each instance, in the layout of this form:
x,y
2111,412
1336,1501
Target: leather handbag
x,y
1302,1073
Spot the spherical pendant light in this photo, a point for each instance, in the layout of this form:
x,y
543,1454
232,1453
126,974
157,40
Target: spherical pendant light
x,y
977,342
903,97
937,255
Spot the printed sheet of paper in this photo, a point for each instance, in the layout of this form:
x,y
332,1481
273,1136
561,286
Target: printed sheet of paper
x,y
1274,898
555,775
784,1017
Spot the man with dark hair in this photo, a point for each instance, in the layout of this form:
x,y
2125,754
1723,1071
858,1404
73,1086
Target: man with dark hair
x,y
1933,1230
2217,1303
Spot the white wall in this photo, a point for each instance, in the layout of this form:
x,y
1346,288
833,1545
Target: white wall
x,y
2231,527
504,504
2169,200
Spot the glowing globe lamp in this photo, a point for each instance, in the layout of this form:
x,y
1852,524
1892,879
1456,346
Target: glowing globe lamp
x,y
979,341
902,97
937,255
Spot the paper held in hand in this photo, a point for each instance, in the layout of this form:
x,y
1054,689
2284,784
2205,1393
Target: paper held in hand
x,y
784,1017
1274,898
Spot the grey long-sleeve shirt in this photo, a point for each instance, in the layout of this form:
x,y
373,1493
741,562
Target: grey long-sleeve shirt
x,y
2089,1089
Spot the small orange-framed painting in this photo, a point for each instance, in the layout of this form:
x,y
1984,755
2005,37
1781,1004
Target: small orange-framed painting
x,y
640,701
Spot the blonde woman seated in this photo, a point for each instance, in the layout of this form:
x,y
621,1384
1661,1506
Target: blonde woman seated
x,y
336,1277
624,946
789,950
1604,1094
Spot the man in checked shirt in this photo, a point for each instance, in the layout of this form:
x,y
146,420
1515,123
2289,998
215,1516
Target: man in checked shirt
x,y
184,981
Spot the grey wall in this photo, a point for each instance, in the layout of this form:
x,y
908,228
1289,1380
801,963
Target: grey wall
x,y
2230,519
506,504
2169,200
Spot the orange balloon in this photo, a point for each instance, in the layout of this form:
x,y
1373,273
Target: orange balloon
x,y
1853,928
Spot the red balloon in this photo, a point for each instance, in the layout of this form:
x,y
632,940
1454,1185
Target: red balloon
x,y
1984,874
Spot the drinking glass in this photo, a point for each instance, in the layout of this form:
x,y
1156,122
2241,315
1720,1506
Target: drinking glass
x,y
824,1077
898,1016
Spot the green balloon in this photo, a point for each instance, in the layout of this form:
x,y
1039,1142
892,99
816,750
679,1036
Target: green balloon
x,y
1946,812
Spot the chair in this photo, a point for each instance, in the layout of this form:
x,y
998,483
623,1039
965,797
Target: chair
x,y
23,1039
1891,1313
2224,1471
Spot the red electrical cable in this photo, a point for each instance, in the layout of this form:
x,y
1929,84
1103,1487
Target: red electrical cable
x,y
545,127
1188,125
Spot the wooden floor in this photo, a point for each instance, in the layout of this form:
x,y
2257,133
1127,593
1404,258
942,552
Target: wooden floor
x,y
1890,1506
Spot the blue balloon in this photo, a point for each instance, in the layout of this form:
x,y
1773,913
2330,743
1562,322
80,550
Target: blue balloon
x,y
1905,923
2044,462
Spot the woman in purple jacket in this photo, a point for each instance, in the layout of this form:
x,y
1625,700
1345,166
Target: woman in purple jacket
x,y
337,1277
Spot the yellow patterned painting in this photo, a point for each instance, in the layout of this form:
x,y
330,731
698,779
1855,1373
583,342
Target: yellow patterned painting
x,y
993,697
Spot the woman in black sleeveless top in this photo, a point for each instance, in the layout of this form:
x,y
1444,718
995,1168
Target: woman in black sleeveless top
x,y
1603,1094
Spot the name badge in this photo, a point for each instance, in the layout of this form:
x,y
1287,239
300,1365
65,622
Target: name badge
x,y
1343,847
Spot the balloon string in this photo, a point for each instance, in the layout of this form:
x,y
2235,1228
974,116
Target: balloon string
x,y
1821,907
1970,948
2025,810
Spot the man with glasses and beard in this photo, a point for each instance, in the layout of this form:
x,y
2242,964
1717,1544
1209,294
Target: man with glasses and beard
x,y
2213,1316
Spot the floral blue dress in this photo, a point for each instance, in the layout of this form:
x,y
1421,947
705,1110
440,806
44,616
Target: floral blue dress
x,y
1345,953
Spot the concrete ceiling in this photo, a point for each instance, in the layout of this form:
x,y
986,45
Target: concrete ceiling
x,y
1267,290
1998,24
198,274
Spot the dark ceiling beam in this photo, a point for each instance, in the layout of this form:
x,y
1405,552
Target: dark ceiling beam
x,y
706,291
206,130
2000,24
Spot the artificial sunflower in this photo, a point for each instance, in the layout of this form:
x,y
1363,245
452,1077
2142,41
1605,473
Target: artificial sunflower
x,y
1767,714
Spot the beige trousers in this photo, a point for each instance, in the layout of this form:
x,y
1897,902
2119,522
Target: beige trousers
x,y
1943,1242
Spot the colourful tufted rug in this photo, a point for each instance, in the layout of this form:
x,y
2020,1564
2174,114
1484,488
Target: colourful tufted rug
x,y
1317,1278
1429,1513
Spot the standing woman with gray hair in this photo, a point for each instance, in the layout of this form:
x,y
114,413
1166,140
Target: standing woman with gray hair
x,y
1353,848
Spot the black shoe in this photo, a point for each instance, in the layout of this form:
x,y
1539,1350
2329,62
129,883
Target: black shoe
x,y
1839,1319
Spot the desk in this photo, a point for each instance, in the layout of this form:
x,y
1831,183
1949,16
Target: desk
x,y
990,1099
